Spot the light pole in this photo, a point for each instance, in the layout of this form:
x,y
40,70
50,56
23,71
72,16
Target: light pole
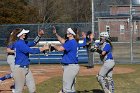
x,y
92,1
131,32
92,16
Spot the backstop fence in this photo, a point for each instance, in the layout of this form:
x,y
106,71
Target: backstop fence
x,y
125,38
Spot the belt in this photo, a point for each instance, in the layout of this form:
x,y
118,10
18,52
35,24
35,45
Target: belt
x,y
22,66
65,64
11,54
109,59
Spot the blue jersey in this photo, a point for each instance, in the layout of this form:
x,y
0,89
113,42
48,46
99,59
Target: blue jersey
x,y
82,44
70,55
22,50
11,46
106,47
30,44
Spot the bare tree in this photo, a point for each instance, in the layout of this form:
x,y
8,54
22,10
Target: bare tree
x,y
52,11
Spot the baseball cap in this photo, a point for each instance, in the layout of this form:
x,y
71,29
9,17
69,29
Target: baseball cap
x,y
23,32
69,30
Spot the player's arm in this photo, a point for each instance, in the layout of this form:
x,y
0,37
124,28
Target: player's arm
x,y
96,50
26,49
37,38
9,50
66,46
61,40
102,52
40,34
58,47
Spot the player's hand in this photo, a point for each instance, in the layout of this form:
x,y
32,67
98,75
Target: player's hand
x,y
40,32
52,44
54,30
46,47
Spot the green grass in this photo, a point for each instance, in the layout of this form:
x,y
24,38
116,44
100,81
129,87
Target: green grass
x,y
124,83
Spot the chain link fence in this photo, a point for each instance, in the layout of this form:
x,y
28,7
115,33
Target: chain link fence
x,y
119,32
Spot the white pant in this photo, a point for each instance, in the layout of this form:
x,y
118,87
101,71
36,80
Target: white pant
x,y
107,68
69,75
11,61
23,76
106,72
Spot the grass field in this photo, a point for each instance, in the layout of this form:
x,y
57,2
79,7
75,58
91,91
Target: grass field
x,y
124,83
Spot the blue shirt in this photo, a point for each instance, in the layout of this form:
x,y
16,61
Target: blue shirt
x,y
22,50
30,44
70,55
82,44
11,46
106,47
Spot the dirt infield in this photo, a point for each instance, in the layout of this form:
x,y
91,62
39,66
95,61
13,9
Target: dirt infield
x,y
44,72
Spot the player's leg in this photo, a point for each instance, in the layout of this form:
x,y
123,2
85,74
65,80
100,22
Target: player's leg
x,y
90,59
110,83
102,74
19,78
102,82
30,82
7,76
11,61
110,79
73,84
69,75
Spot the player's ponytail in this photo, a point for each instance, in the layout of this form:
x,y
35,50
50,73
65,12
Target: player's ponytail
x,y
77,37
109,41
13,36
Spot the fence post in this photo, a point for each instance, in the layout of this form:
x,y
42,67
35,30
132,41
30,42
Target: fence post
x,y
92,1
131,32
38,47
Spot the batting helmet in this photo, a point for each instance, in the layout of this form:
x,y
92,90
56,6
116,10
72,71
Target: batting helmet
x,y
104,34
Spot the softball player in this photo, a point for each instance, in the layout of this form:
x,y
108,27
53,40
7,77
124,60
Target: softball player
x,y
10,51
90,43
22,74
10,54
69,59
104,76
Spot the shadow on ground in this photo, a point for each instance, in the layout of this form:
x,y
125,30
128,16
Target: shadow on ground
x,y
91,91
3,91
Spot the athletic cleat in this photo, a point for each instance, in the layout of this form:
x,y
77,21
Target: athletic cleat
x,y
89,67
1,82
60,91
13,90
106,91
12,87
